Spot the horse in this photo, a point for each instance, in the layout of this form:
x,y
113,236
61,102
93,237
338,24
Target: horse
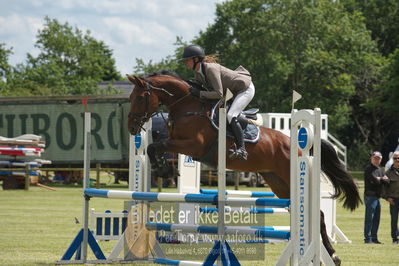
x,y
191,133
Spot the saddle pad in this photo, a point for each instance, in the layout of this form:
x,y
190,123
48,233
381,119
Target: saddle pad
x,y
251,132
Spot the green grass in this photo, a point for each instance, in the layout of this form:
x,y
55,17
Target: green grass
x,y
37,226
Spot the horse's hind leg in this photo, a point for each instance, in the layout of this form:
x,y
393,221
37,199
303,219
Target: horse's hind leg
x,y
326,240
282,190
277,184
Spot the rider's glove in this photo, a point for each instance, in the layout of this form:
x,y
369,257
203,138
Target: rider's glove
x,y
195,92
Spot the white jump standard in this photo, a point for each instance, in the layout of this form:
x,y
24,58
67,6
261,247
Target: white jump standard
x,y
305,246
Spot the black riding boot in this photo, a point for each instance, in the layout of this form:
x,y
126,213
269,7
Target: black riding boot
x,y
239,139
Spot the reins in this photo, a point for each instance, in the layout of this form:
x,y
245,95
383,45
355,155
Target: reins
x,y
143,117
177,101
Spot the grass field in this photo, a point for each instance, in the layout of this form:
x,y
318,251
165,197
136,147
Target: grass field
x,y
37,226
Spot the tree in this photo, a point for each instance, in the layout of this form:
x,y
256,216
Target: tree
x,y
319,49
5,67
388,99
315,47
69,62
170,62
382,19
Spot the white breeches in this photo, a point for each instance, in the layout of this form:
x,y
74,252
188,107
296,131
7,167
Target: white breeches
x,y
240,102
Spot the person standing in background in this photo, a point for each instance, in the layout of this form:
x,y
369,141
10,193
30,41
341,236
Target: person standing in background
x,y
391,194
373,176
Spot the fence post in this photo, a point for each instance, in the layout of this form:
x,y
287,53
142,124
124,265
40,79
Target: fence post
x,y
98,171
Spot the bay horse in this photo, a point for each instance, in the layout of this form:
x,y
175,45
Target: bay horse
x,y
191,133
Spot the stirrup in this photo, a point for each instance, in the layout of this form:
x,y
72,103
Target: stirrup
x,y
233,154
240,153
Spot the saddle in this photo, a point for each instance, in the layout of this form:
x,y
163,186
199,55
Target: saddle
x,y
251,132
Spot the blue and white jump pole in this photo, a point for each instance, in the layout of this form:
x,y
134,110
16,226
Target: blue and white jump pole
x,y
254,231
240,193
181,198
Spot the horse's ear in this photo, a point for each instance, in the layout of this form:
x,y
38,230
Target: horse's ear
x,y
136,81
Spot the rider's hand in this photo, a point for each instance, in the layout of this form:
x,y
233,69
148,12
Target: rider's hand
x,y
195,92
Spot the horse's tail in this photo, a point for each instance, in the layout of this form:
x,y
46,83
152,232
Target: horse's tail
x,y
340,178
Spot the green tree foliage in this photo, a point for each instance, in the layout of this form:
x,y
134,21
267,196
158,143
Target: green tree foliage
x,y
319,49
382,19
391,84
69,62
387,102
5,67
170,62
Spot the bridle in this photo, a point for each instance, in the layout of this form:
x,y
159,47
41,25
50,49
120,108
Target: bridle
x,y
140,118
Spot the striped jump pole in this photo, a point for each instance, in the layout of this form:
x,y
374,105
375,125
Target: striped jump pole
x,y
208,240
18,173
252,231
239,193
250,210
181,197
21,163
176,262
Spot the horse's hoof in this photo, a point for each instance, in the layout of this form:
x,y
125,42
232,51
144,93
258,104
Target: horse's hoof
x,y
336,260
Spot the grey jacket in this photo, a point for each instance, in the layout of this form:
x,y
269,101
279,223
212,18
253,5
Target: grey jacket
x,y
221,78
392,189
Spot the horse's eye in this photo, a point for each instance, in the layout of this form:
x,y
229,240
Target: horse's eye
x,y
140,99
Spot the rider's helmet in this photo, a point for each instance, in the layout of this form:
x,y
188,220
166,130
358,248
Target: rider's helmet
x,y
193,50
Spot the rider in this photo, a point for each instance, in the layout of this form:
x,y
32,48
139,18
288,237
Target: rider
x,y
213,75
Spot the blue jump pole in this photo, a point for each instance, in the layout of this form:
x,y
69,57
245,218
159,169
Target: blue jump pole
x,y
254,231
178,197
240,193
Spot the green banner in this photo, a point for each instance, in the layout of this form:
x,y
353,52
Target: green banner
x,y
61,127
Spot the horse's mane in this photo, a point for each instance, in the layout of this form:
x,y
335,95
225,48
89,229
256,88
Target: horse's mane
x,y
166,72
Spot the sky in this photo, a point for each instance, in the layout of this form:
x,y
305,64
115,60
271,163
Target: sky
x,y
145,29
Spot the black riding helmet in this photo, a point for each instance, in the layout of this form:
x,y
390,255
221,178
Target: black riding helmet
x,y
193,50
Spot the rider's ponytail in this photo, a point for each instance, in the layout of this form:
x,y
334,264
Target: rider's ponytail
x,y
213,58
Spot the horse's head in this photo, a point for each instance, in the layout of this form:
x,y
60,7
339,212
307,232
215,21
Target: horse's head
x,y
143,103
149,93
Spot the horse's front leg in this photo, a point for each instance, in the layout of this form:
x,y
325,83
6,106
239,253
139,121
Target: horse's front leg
x,y
190,147
156,152
158,161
